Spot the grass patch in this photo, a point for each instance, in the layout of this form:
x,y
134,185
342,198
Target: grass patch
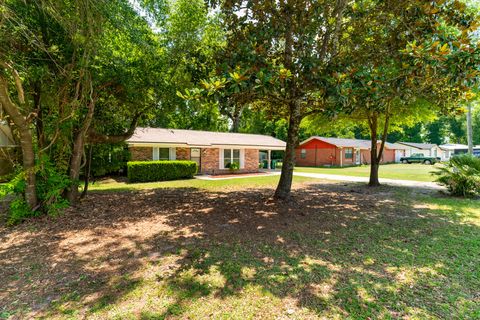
x,y
414,172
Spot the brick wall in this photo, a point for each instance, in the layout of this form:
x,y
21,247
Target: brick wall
x,y
211,157
182,153
325,157
251,160
322,158
388,156
365,156
141,153
210,161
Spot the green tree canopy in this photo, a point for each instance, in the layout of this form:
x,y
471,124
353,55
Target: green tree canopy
x,y
87,72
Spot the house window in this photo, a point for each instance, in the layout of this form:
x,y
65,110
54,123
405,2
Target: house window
x,y
164,153
161,154
303,153
231,156
349,153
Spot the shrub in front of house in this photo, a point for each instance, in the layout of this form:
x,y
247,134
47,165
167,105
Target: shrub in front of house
x,y
162,170
233,167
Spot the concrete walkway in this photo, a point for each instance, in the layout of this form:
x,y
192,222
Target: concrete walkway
x,y
392,182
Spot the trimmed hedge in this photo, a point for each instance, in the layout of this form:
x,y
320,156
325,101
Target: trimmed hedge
x,y
162,170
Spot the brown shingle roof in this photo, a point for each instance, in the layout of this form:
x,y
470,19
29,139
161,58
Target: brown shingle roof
x,y
203,138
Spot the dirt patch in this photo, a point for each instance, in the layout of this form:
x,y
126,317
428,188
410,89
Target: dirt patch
x,y
91,247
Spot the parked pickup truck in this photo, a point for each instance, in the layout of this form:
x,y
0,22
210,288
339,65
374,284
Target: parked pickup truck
x,y
419,158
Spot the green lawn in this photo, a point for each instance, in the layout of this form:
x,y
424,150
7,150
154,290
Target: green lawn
x,y
225,251
416,172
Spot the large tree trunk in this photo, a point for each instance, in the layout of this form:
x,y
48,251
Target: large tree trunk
x,y
285,183
376,153
295,116
374,160
28,159
26,141
374,166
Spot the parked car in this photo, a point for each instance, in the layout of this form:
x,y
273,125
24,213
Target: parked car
x,y
419,158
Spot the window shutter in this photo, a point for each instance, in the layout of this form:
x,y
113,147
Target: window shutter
x,y
155,155
173,154
221,164
242,158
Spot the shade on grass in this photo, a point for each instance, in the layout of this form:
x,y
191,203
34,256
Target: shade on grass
x,y
337,251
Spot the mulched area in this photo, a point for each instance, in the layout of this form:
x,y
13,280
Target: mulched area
x,y
107,235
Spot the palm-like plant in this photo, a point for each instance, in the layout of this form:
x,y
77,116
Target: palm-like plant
x,y
461,175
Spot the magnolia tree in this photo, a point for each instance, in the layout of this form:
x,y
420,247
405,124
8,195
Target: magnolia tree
x,y
278,55
372,58
424,58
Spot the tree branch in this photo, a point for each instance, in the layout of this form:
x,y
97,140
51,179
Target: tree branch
x,y
95,137
18,81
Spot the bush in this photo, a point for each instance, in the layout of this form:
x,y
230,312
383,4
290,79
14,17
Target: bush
x,y
233,166
50,187
148,171
461,175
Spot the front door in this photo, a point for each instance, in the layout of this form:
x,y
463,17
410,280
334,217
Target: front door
x,y
357,156
195,156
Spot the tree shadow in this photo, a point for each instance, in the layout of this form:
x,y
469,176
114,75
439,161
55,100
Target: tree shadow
x,y
342,250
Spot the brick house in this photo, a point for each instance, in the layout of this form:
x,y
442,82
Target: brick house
x,y
213,151
320,151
